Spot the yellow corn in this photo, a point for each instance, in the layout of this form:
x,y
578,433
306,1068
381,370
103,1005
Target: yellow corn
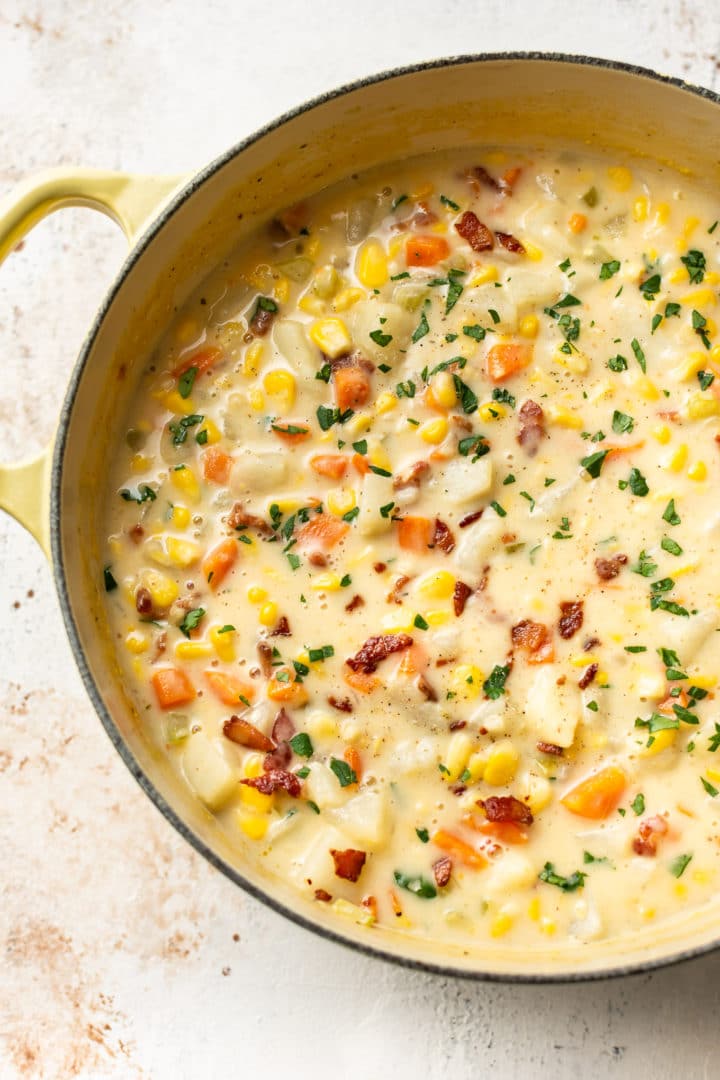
x,y
213,434
548,926
223,644
502,764
385,402
252,768
715,354
281,289
698,471
680,889
253,358
678,275
329,582
714,775
136,642
186,331
645,387
705,682
322,725
565,418
501,924
457,755
280,384
438,584
529,326
140,463
434,431
662,433
700,298
687,369
678,460
466,681
256,399
360,914
341,501
331,335
268,614
312,305
662,213
253,825
346,298
256,595
326,282
534,909
576,362
358,423
583,660
192,650
180,516
379,457
175,404
700,406
620,177
371,265
437,618
185,480
640,209
483,275
492,410
163,590
398,621
443,388
539,793
476,766
533,253
182,553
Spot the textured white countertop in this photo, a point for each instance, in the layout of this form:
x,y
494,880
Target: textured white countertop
x,y
123,953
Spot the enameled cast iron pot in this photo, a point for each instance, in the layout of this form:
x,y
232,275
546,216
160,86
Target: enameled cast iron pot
x,y
179,228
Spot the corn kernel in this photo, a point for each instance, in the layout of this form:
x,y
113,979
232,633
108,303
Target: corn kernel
x,y
341,501
662,433
715,354
620,177
398,621
186,331
576,362
501,924
253,825
713,774
182,553
385,402
329,582
136,642
661,741
253,358
346,298
548,926
394,245
268,614
700,406
176,404
326,282
185,480
492,410
434,431
640,209
678,275
502,764
703,877
312,305
443,388
437,618
645,387
438,584
705,682
256,595
371,265
466,681
163,590
712,277
483,275
583,660
681,889
211,431
256,399
534,909
140,463
529,326
476,766
533,253
321,724
700,298
280,384
378,456
678,460
565,418
687,369
698,471
358,423
223,643
192,650
457,754
538,793
252,768
360,914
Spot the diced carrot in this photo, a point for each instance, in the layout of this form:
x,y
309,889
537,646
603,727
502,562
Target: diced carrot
x,y
291,431
511,176
216,465
334,466
441,455
577,223
322,531
219,561
426,250
617,451
172,687
352,387
228,688
395,903
504,361
666,706
284,687
358,680
370,903
352,756
459,849
203,360
507,832
415,533
432,402
413,660
361,463
598,795
544,655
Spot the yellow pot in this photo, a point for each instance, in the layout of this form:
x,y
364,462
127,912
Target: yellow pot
x,y
178,230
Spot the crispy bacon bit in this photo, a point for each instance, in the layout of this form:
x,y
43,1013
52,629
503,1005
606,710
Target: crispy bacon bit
x,y
477,235
478,175
356,602
442,869
650,831
395,594
670,414
341,704
550,748
469,519
427,691
283,730
591,643
282,628
376,649
532,427
510,242
443,537
239,518
321,894
261,321
350,359
571,618
506,808
160,645
508,538
244,733
461,422
529,635
136,533
607,569
143,601
423,216
413,476
274,780
265,653
348,863
461,593
316,558
379,567
457,725
587,676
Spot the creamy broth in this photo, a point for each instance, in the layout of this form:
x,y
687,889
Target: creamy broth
x,y
413,549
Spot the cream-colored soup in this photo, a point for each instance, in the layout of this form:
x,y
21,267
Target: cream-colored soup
x,y
413,550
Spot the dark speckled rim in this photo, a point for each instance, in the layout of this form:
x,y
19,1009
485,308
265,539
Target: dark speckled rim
x,y
63,588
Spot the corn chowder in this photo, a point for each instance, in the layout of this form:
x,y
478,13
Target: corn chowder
x,y
412,550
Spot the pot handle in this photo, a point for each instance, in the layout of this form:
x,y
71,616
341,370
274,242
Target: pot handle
x,y
129,200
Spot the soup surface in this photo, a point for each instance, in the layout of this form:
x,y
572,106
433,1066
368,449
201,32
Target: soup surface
x,y
413,550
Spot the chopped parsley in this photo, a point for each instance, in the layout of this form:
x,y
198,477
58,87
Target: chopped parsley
x,y
380,339
650,287
301,744
638,483
706,379
699,322
449,203
416,884
420,623
609,269
671,546
468,399
323,653
639,355
191,620
475,445
638,805
576,880
421,329
694,263
345,775
327,417
594,462
143,493
678,866
108,579
499,510
187,381
494,685
617,363
622,423
670,514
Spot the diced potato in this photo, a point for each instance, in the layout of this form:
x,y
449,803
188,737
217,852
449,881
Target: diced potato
x,y
377,491
552,711
477,540
366,820
207,771
513,871
323,786
314,867
364,319
475,304
687,636
258,469
464,481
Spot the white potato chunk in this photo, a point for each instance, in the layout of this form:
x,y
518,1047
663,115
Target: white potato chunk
x,y
463,481
376,491
508,873
290,339
492,716
258,470
475,305
365,318
207,771
529,289
687,636
314,868
552,711
477,540
365,819
323,786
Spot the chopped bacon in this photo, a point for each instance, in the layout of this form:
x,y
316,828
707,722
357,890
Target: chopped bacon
x,y
506,808
143,601
376,649
442,869
510,243
316,558
379,567
239,518
261,321
591,643
244,733
341,704
587,676
322,894
356,602
477,175
550,748
532,427
283,730
607,569
136,533
427,691
457,725
461,422
461,593
282,628
529,635
646,841
395,594
470,519
423,216
443,537
348,863
571,618
349,360
274,780
413,476
160,644
471,229
266,655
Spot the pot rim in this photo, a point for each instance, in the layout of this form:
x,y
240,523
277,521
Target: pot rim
x,y
61,582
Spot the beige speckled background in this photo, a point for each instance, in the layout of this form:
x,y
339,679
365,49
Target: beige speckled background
x,y
123,953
